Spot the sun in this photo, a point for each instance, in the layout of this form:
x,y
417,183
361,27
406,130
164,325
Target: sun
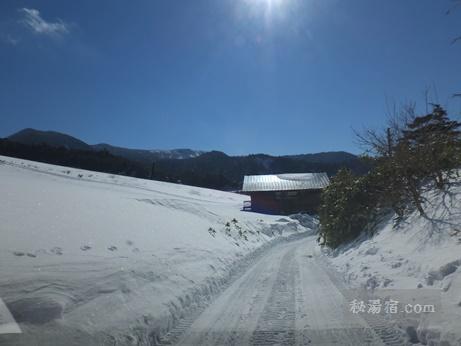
x,y
267,8
268,3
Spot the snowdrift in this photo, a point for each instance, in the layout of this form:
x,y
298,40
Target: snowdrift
x,y
419,259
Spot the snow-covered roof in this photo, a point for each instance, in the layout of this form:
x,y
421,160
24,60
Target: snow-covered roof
x,y
284,182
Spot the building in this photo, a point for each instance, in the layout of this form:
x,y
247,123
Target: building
x,y
285,193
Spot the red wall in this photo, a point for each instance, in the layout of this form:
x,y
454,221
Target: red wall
x,y
273,202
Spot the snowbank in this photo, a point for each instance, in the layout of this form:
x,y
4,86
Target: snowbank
x,y
94,258
418,259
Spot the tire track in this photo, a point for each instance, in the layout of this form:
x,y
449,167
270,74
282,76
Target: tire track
x,y
276,326
323,317
286,298
232,317
381,326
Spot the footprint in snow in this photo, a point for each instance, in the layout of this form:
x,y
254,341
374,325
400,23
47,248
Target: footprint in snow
x,y
56,250
85,247
131,243
112,248
20,254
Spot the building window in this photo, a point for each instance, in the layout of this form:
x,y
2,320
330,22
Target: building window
x,y
286,194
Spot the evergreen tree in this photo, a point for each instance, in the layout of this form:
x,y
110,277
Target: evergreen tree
x,y
434,141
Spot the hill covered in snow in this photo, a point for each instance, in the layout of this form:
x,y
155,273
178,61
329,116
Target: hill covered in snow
x,y
94,258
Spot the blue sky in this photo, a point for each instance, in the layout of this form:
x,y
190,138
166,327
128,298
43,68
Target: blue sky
x,y
240,76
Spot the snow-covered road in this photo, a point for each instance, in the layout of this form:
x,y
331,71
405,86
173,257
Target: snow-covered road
x,y
285,298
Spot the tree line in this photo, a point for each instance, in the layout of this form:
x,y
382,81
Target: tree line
x,y
100,161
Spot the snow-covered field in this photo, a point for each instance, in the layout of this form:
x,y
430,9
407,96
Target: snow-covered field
x,y
419,260
93,258
97,259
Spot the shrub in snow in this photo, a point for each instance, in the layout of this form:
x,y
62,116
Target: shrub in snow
x,y
212,231
346,209
232,228
411,158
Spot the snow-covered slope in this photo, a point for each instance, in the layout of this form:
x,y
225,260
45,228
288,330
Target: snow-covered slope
x,y
92,258
419,259
177,154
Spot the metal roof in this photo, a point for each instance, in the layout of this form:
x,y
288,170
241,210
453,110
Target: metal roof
x,y
284,182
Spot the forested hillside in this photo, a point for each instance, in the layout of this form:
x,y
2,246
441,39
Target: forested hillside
x,y
212,169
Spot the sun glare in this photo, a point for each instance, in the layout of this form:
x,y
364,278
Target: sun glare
x,y
267,5
269,2
266,8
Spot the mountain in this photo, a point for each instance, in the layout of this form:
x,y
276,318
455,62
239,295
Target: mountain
x,y
57,139
178,153
142,155
99,161
217,170
326,157
51,138
213,169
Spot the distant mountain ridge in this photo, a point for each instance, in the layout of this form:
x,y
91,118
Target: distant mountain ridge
x,y
56,139
52,138
219,169
143,155
213,169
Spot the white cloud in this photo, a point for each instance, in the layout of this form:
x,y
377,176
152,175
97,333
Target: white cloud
x,y
34,21
9,39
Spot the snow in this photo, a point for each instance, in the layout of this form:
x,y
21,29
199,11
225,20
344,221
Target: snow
x,y
285,298
418,258
87,257
93,258
178,154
